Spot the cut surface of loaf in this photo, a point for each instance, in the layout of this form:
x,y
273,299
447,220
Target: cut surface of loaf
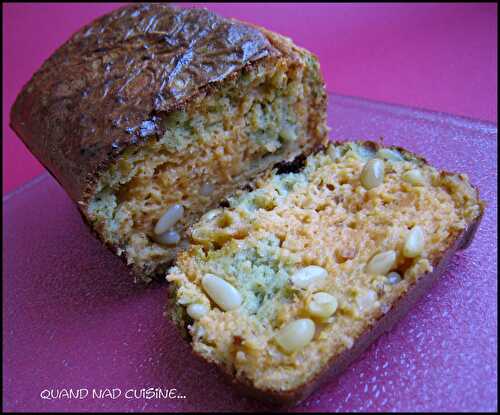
x,y
154,112
278,288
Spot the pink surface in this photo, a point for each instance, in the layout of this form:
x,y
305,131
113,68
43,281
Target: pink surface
x,y
73,319
435,56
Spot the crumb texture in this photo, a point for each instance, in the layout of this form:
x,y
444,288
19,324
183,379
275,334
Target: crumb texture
x,y
219,142
151,106
303,237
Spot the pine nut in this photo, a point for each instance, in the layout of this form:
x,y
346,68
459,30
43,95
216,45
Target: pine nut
x,y
366,300
372,174
169,218
414,244
322,305
221,292
296,335
168,238
393,278
388,154
308,276
414,177
196,310
381,263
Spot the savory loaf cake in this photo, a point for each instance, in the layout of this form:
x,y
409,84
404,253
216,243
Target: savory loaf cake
x,y
295,278
150,115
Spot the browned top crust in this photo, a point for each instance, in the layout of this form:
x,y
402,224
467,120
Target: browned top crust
x,y
104,88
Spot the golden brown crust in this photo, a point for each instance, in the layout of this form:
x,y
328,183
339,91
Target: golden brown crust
x,y
102,91
105,89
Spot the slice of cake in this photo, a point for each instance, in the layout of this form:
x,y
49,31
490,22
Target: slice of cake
x,y
296,277
150,115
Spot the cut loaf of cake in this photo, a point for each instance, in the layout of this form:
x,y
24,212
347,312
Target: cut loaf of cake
x,y
150,115
292,281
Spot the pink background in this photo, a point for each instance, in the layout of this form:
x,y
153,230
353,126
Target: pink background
x,y
72,318
435,56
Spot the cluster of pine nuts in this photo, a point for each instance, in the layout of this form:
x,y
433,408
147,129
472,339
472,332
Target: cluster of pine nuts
x,y
373,172
320,304
383,262
296,334
163,232
372,176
